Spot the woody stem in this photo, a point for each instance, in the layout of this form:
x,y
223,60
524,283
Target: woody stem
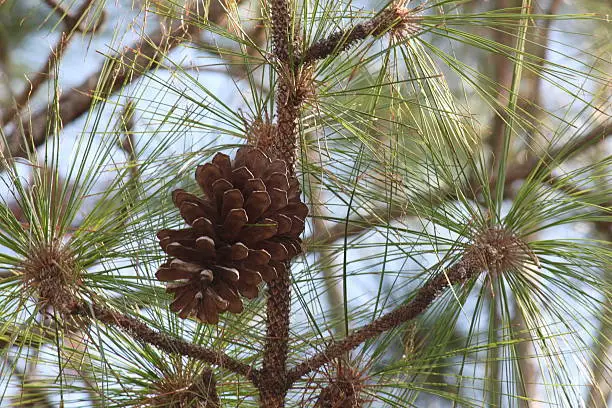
x,y
272,381
458,273
170,344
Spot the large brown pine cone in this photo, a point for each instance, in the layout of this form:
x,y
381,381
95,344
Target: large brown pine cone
x,y
243,231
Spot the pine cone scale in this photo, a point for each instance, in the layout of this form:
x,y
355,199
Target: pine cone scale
x,y
206,247
258,257
279,199
257,204
205,227
206,175
252,185
241,176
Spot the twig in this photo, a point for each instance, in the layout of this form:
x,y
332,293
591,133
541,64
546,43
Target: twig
x,y
342,40
129,65
561,153
165,342
73,22
458,273
54,56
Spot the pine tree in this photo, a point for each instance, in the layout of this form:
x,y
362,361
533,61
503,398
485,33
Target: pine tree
x,y
394,205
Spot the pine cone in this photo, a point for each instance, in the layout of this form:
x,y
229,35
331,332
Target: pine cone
x,y
243,231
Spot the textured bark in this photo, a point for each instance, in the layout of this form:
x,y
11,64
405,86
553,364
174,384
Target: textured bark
x,y
337,42
165,342
273,380
272,385
394,19
284,144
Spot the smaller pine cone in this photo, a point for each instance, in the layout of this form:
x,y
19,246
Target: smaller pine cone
x,y
242,231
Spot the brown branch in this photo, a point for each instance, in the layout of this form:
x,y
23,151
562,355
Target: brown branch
x,y
125,67
292,87
165,342
278,305
73,22
288,103
45,72
561,153
337,42
458,273
393,18
274,366
204,391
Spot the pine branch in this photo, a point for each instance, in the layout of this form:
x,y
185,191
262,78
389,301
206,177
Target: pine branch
x,y
138,58
394,19
274,368
460,272
165,342
72,22
71,26
559,154
278,306
288,103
